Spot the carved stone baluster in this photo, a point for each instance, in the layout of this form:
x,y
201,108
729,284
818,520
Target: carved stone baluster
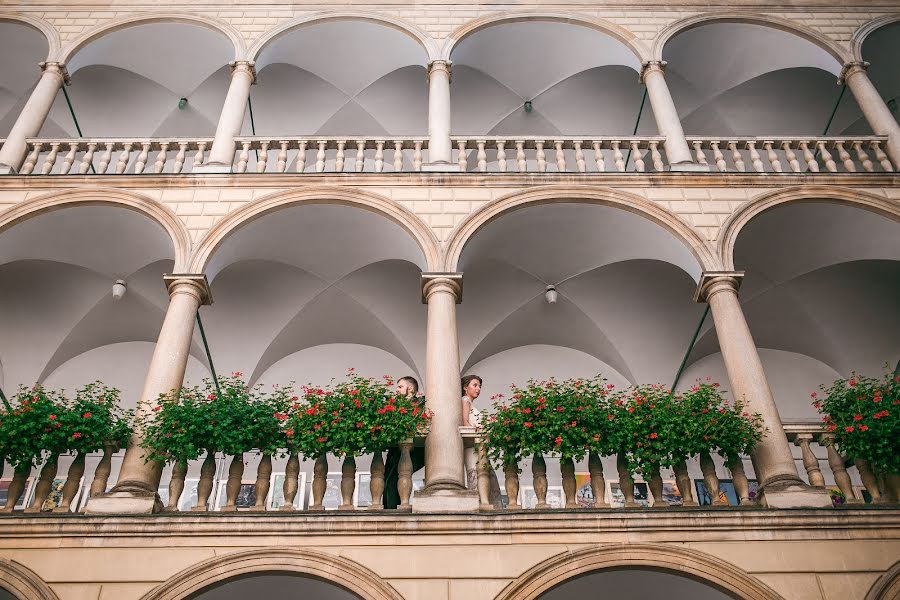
x,y
739,478
69,159
755,159
320,158
772,156
198,156
845,157
598,156
892,487
462,158
580,165
810,158
291,484
683,481
539,475
638,156
791,156
541,157
481,157
243,157
376,482
205,485
233,485
73,482
379,156
417,155
810,462
161,157
867,164
626,482
656,488
484,479
142,158
708,468
102,472
179,158
404,477
281,161
300,165
721,165
31,159
567,469
511,484
838,470
263,159
869,480
598,483
560,156
737,157
657,157
617,156
501,156
263,481
87,159
176,486
881,157
360,156
319,483
521,161
698,150
50,161
348,483
827,158
124,157
16,488
44,484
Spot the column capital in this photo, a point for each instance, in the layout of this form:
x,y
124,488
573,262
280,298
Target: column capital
x,y
441,282
56,68
244,66
187,283
851,68
800,438
713,282
652,66
440,65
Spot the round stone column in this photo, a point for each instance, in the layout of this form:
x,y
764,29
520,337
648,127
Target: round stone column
x,y
877,114
33,114
667,121
773,461
439,112
231,119
135,490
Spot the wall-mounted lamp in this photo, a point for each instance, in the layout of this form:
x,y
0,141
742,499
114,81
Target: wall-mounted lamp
x,y
118,290
551,295
182,102
528,106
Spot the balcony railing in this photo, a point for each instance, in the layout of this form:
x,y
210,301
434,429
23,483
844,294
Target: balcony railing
x,y
704,481
484,154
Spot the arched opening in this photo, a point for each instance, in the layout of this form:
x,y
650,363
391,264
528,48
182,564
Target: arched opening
x,y
640,583
25,47
275,585
879,48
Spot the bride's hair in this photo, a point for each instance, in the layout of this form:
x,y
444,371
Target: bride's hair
x,y
468,379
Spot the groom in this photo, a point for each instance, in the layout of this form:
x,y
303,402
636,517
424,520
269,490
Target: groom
x,y
409,387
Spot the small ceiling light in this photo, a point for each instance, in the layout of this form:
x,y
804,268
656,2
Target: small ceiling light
x,y
118,289
182,102
551,295
528,106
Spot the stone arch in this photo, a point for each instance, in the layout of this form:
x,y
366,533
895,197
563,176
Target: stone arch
x,y
683,232
626,37
334,569
689,563
808,193
422,38
181,241
886,587
792,27
50,33
860,35
22,582
215,25
405,218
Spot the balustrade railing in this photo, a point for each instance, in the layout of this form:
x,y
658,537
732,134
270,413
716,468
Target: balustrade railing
x,y
478,154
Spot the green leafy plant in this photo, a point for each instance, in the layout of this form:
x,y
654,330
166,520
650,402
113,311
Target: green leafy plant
x,y
95,419
862,412
32,429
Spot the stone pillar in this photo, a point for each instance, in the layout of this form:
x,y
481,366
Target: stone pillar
x,y
780,485
135,490
877,114
445,487
439,118
33,115
665,113
231,119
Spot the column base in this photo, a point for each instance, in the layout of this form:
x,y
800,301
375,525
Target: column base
x,y
213,168
793,495
444,499
441,167
124,503
690,167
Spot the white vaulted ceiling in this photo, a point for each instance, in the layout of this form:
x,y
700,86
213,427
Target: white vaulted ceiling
x,y
22,47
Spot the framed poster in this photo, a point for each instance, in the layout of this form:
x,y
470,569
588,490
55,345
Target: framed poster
x,y
332,498
23,499
362,494
54,499
727,493
584,495
617,498
276,492
246,497
670,493
189,496
555,497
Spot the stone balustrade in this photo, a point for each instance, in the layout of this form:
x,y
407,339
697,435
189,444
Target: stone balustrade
x,y
494,154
